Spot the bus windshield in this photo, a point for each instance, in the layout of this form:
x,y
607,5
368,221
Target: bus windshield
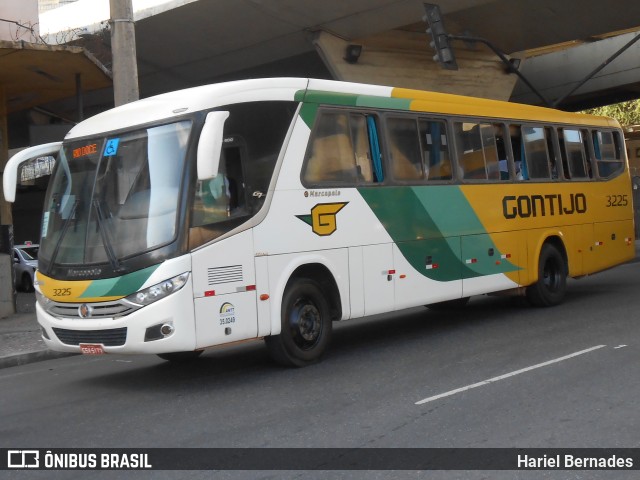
x,y
114,197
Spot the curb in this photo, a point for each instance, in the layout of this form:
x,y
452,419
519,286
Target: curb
x,y
32,357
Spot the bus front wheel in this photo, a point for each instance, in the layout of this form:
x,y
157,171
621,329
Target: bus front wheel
x,y
306,326
551,286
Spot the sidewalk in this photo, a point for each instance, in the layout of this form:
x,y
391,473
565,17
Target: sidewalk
x,y
20,340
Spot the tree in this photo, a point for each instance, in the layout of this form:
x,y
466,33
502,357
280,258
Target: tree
x,y
627,113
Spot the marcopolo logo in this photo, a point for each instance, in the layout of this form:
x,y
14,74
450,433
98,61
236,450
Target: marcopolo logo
x,y
323,218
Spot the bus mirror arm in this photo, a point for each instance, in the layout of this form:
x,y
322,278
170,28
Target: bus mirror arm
x,y
210,145
11,169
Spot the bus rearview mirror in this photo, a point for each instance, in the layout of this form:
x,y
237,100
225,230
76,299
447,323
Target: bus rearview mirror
x,y
10,175
210,145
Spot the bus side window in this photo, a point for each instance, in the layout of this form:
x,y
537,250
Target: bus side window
x,y
554,161
343,150
360,140
519,154
536,152
573,154
607,153
435,148
490,151
477,152
331,157
404,149
221,197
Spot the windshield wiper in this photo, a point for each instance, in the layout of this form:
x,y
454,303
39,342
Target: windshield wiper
x,y
63,231
106,240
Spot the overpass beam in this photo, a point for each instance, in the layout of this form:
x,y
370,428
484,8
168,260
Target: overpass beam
x,y
563,72
402,58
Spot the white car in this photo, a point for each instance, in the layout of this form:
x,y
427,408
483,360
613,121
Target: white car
x,y
25,263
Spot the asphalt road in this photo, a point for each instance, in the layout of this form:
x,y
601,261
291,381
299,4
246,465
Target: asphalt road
x,y
497,374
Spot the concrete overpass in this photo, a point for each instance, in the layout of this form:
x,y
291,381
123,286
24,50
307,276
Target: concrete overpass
x,y
189,42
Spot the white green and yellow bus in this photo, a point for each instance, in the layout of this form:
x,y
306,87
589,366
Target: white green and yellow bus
x,y
269,208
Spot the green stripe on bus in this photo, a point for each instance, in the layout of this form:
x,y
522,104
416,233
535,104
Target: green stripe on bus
x,y
121,286
428,224
308,113
313,98
346,99
99,288
382,102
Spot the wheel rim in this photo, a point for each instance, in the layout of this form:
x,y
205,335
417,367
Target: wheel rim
x,y
552,275
305,322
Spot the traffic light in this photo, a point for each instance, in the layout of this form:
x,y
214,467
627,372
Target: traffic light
x,y
440,38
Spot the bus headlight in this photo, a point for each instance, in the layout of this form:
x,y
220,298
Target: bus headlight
x,y
44,302
159,290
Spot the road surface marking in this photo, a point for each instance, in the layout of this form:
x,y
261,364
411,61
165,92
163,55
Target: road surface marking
x,y
507,375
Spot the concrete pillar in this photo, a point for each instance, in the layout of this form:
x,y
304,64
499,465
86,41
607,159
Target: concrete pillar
x,y
123,49
7,294
5,208
403,58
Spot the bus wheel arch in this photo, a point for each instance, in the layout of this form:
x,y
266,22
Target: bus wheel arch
x,y
550,286
310,302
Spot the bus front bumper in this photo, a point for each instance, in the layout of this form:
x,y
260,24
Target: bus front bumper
x,y
162,327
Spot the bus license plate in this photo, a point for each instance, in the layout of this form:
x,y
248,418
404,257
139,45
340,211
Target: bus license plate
x,y
89,349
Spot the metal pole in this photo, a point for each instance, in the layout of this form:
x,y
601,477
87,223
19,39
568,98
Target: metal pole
x,y
123,49
597,69
504,59
79,98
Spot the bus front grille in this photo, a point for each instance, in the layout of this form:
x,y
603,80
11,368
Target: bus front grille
x,y
116,309
114,337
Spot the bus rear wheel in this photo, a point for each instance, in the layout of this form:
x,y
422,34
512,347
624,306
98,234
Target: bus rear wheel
x,y
551,286
306,326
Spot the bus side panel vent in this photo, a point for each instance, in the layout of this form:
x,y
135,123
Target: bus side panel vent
x,y
219,275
